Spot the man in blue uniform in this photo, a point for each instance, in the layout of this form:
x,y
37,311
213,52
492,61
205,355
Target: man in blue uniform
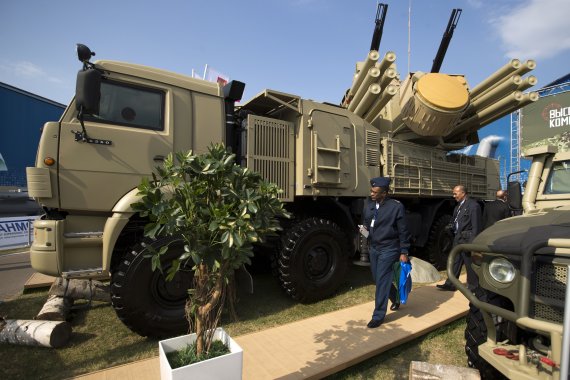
x,y
389,240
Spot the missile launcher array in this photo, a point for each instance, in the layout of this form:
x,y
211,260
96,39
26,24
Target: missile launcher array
x,y
435,108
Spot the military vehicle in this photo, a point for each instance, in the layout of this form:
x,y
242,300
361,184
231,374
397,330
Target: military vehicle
x,y
518,325
126,118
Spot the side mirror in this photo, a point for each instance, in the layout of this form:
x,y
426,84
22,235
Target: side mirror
x,y
515,195
88,91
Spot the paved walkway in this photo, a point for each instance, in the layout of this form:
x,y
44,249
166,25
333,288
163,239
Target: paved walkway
x,y
15,268
319,346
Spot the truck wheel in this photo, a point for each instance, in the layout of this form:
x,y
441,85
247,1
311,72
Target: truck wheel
x,y
440,242
476,334
313,259
142,298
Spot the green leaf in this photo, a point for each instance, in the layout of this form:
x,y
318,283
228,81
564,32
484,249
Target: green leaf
x,y
155,263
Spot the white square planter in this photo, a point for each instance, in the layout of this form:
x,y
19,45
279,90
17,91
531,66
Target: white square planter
x,y
226,367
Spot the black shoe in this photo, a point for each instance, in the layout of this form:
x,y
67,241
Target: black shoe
x,y
446,286
374,323
395,306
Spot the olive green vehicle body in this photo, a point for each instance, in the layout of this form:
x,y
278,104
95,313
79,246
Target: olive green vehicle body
x,y
537,244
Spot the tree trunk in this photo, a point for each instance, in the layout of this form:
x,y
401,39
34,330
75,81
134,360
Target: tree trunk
x,y
34,333
80,289
55,309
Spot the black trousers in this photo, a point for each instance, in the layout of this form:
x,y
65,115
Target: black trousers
x,y
464,257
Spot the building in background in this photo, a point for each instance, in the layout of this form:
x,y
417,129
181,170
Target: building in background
x,y
22,115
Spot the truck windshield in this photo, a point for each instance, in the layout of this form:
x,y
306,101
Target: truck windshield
x,y
559,179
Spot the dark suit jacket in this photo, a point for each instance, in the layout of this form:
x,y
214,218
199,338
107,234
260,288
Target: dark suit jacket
x,y
469,224
495,211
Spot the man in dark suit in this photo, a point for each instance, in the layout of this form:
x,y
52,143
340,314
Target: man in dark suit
x,y
465,224
496,210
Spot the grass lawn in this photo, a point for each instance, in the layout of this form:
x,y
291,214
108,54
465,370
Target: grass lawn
x,y
100,340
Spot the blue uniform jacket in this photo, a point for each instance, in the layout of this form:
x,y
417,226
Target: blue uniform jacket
x,y
390,230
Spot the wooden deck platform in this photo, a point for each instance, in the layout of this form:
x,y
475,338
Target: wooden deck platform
x,y
319,346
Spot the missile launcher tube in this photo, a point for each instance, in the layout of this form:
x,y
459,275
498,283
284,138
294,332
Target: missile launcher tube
x,y
387,61
387,77
370,61
526,100
496,93
380,103
525,67
503,72
371,77
505,103
527,83
368,98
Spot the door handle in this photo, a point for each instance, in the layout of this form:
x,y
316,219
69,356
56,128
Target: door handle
x,y
158,158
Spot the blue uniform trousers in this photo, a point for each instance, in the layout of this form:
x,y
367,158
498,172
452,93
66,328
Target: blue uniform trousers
x,y
381,265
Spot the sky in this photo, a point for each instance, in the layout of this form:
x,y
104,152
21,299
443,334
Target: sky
x,y
303,47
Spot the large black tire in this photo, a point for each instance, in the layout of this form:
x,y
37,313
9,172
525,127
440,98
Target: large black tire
x,y
312,259
476,334
145,302
440,242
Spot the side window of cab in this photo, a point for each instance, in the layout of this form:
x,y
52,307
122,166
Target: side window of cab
x,y
131,106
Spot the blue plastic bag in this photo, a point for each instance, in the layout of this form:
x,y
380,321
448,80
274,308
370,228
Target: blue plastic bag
x,y
405,281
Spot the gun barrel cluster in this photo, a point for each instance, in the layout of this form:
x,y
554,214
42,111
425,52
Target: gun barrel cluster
x,y
438,105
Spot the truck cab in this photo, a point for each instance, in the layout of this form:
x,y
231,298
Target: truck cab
x,y
88,170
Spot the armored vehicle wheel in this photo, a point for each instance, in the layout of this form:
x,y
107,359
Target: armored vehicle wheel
x,y
476,334
142,298
313,259
440,242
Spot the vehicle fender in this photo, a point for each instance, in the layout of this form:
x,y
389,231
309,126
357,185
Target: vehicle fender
x,y
122,212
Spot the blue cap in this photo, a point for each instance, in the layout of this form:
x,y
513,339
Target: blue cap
x,y
380,182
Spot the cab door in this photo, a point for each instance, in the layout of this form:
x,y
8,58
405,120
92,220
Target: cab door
x,y
130,137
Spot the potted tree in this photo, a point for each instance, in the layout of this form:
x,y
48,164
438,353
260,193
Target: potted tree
x,y
218,209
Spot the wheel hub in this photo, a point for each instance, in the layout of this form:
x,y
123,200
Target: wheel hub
x,y
173,292
318,263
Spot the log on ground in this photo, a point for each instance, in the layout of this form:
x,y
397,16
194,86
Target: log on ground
x,y
35,333
428,371
81,289
55,309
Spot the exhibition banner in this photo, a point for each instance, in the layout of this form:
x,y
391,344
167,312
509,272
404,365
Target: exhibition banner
x,y
547,122
16,231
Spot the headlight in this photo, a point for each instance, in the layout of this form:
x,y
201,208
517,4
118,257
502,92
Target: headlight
x,y
502,270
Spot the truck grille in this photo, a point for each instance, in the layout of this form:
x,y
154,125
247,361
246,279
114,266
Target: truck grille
x,y
549,289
